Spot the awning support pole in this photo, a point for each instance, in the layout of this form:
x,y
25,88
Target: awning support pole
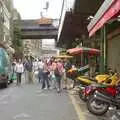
x,y
103,47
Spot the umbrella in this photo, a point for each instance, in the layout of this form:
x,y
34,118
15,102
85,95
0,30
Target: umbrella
x,y
64,56
77,51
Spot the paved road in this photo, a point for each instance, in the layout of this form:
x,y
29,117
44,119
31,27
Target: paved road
x,y
83,112
28,102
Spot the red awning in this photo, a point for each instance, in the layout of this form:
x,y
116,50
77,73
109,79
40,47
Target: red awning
x,y
78,51
108,13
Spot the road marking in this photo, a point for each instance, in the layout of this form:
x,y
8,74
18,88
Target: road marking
x,y
77,108
22,115
3,97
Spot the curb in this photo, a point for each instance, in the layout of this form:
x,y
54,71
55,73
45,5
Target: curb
x,y
77,107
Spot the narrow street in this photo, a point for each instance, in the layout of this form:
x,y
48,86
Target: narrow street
x,y
28,102
70,44
82,111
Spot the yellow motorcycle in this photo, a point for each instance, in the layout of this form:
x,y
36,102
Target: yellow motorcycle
x,y
108,79
84,80
86,91
87,81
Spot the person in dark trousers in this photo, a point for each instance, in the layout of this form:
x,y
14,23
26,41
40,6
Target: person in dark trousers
x,y
40,70
19,69
45,74
29,68
58,74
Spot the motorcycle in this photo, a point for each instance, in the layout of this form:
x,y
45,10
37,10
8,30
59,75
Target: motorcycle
x,y
74,74
100,101
86,91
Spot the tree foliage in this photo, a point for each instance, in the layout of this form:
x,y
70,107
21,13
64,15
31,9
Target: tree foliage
x,y
17,42
16,35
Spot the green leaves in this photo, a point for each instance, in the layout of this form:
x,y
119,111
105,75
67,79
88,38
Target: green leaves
x,y
17,42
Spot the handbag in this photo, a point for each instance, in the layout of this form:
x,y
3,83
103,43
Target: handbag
x,y
13,76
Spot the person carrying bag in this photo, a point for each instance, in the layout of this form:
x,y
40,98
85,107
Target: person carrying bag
x,y
58,74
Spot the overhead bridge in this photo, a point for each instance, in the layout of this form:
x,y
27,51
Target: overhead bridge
x,y
32,29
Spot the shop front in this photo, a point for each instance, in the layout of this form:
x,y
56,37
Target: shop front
x,y
114,53
110,10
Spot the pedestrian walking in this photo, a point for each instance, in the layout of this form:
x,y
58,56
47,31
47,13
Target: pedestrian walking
x,y
25,70
19,69
46,72
40,70
29,69
35,70
53,77
58,74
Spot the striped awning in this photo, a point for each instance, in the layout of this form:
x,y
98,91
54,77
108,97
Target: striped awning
x,y
108,10
78,51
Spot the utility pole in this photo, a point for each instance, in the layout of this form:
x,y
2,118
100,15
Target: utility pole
x,y
41,14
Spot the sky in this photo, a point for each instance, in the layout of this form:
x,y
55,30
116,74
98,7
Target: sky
x,y
30,9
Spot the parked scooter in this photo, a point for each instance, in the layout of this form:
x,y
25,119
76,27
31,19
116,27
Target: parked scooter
x,y
83,81
99,78
86,91
100,101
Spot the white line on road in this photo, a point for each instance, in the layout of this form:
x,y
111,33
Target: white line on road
x,y
21,115
77,108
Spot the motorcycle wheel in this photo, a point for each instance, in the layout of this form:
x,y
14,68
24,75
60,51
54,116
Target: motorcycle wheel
x,y
97,107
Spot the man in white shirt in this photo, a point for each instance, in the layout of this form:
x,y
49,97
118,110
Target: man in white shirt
x,y
35,65
19,69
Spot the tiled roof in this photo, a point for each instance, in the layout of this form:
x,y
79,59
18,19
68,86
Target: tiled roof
x,y
44,21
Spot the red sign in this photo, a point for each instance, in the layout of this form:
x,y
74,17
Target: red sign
x,y
111,12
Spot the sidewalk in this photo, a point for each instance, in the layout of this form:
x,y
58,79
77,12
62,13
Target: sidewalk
x,y
81,109
80,106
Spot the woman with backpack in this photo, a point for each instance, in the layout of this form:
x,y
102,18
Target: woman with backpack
x,y
58,74
45,74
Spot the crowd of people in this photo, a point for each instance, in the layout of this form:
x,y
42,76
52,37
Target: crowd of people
x,y
50,72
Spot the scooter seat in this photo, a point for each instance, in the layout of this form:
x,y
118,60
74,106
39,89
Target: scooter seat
x,y
88,78
84,80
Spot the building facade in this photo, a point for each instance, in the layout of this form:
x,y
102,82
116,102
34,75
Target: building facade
x,y
107,21
32,47
114,53
6,7
75,16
